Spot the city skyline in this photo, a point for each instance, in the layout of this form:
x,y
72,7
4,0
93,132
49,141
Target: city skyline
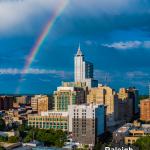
x,y
112,37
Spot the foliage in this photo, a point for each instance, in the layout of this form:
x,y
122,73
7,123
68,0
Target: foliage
x,y
143,143
98,146
2,124
27,139
86,146
23,129
13,139
49,137
1,148
3,139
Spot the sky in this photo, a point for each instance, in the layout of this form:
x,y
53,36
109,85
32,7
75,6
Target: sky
x,y
113,34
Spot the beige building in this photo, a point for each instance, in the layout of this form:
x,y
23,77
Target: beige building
x,y
123,94
96,96
74,84
34,103
41,103
23,100
135,134
107,96
129,133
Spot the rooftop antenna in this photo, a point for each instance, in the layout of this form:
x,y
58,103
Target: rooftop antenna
x,y
106,79
79,46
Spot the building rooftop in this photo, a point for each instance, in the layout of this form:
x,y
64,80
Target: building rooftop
x,y
125,128
130,127
84,106
51,113
146,100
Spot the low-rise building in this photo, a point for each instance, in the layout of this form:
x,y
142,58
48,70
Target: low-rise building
x,y
136,133
48,120
119,134
129,133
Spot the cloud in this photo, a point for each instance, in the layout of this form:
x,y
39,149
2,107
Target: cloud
x,y
14,71
128,45
124,45
142,84
137,74
88,42
20,13
45,80
112,7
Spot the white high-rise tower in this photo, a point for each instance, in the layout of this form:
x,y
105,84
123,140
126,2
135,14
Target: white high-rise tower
x,y
83,70
79,69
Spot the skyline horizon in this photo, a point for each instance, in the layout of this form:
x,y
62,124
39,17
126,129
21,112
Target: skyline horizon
x,y
105,83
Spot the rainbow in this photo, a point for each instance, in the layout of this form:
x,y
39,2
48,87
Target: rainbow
x,y
35,49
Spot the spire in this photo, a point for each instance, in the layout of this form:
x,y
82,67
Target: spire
x,y
79,53
79,46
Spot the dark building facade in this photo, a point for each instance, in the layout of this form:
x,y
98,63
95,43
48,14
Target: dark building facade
x,y
6,102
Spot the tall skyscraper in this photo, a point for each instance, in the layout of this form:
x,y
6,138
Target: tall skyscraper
x,y
79,67
83,70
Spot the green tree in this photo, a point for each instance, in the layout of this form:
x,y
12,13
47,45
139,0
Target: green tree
x,y
51,137
143,143
27,139
1,148
23,130
13,139
98,146
3,139
2,124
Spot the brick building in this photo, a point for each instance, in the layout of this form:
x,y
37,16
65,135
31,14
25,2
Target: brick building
x,y
145,110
